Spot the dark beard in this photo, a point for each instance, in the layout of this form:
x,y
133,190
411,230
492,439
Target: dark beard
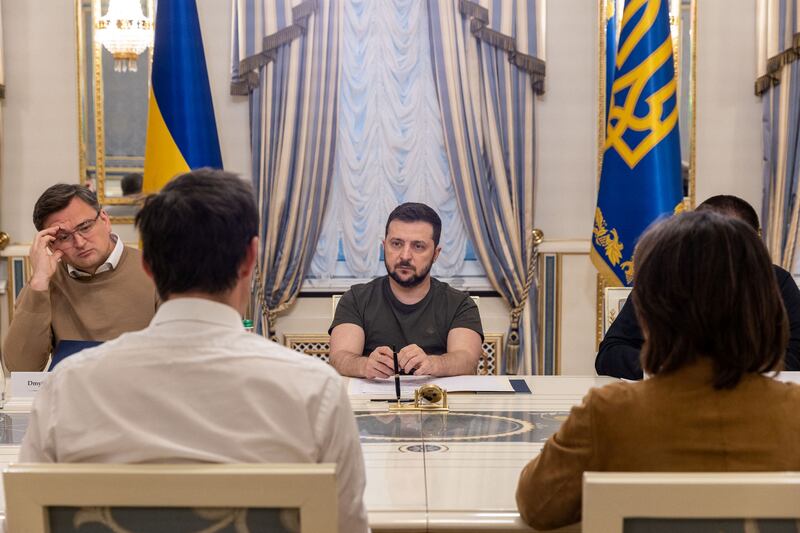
x,y
414,280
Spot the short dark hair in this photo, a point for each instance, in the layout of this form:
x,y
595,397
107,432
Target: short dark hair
x,y
417,212
196,232
131,183
57,197
730,205
704,286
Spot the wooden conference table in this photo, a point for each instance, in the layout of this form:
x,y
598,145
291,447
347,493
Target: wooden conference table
x,y
453,471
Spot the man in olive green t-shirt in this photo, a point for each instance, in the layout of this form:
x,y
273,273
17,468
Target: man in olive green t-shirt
x,y
434,328
85,284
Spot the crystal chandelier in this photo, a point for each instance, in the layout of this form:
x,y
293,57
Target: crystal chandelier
x,y
125,32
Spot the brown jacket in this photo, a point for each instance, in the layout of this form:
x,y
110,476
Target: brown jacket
x,y
98,308
669,423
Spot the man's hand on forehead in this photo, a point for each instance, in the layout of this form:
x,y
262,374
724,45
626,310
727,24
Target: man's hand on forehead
x,y
43,259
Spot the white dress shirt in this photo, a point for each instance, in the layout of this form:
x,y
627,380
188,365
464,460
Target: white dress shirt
x,y
195,387
110,264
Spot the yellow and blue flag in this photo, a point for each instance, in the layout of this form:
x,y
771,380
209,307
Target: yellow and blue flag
x,y
181,130
641,176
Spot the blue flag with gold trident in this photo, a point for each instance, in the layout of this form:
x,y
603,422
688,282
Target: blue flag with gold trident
x,y
641,175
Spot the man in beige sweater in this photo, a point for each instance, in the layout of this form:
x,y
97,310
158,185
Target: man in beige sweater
x,y
85,284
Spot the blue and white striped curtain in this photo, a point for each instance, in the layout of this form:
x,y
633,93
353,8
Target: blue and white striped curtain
x,y
779,86
487,73
286,57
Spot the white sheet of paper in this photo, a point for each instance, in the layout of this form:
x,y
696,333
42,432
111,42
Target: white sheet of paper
x,y
385,387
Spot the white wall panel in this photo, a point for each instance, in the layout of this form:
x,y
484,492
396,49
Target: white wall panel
x,y
566,122
728,112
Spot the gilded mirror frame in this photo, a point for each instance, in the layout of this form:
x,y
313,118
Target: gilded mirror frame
x,y
91,111
683,8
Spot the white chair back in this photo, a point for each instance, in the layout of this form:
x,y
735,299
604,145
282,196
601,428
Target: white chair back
x,y
616,502
274,497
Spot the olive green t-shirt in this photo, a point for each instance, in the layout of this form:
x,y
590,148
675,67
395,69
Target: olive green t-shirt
x,y
388,322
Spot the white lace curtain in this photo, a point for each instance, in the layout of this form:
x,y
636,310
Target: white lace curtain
x,y
389,140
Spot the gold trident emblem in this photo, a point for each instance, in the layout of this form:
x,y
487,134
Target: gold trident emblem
x,y
620,119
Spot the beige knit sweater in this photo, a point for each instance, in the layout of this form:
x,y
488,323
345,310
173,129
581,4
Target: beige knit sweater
x,y
98,308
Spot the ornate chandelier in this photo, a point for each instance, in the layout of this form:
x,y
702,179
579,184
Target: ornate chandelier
x,y
125,32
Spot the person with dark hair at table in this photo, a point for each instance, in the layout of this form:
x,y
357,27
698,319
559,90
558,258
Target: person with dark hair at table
x,y
618,354
86,285
195,386
714,325
435,329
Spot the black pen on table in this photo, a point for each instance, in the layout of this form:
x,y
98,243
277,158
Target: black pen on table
x,y
396,376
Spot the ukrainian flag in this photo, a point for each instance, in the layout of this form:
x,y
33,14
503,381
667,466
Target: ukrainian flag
x,y
181,130
641,175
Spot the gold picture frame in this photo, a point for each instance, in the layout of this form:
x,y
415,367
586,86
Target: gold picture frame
x,y
93,104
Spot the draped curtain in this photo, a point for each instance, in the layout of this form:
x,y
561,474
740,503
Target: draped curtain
x,y
389,144
286,58
486,76
779,87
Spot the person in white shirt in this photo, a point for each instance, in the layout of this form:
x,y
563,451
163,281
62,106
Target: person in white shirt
x,y
194,386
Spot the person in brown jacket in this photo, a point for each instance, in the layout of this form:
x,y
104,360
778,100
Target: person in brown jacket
x,y
85,284
706,296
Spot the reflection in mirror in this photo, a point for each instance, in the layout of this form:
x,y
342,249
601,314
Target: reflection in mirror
x,y
128,187
113,112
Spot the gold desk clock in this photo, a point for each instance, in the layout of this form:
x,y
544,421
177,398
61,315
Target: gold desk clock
x,y
426,398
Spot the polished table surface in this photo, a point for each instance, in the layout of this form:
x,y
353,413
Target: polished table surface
x,y
458,471
453,471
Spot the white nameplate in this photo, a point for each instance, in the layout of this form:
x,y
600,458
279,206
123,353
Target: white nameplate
x,y
26,384
788,377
